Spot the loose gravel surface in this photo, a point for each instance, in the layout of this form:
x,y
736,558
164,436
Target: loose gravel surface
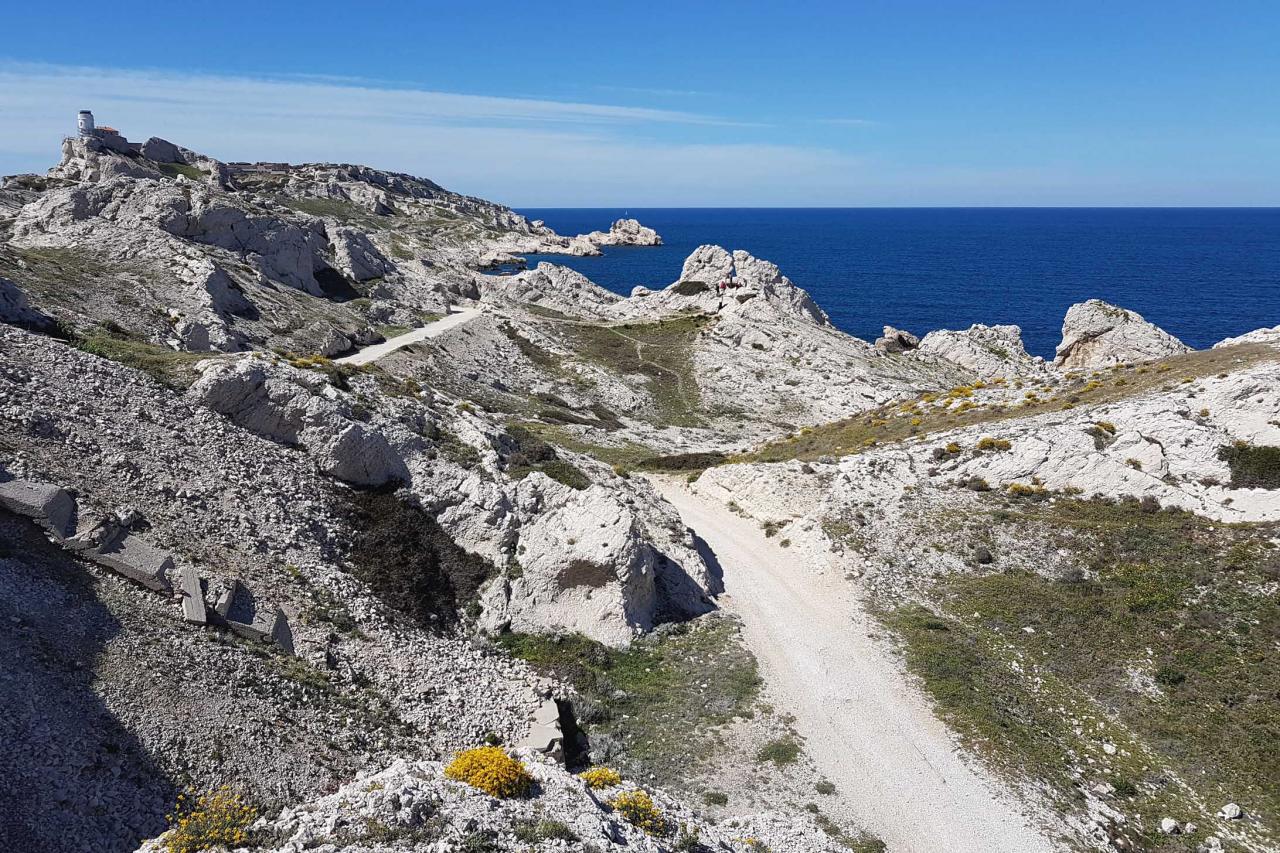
x,y
370,354
866,726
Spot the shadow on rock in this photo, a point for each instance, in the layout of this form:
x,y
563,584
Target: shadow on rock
x,y
72,777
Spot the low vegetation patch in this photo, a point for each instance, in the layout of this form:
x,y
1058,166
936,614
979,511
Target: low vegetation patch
x,y
408,560
173,170
638,809
536,831
339,209
171,367
220,818
1150,668
691,288
1252,466
899,421
657,700
782,751
490,769
531,454
661,351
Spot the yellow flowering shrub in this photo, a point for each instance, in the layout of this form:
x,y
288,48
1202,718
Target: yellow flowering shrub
x,y
491,770
989,443
216,819
639,810
600,777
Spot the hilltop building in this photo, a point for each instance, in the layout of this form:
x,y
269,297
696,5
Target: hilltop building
x,y
108,137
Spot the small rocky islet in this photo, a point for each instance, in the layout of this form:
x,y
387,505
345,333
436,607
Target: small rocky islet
x,y
235,558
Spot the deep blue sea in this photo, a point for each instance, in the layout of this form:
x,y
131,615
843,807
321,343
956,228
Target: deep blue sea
x,y
1203,274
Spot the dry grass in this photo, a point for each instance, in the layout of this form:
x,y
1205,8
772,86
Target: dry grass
x,y
903,420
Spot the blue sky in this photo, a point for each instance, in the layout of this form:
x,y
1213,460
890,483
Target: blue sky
x,y
688,104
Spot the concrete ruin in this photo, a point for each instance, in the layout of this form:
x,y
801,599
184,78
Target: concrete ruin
x,y
112,544
545,732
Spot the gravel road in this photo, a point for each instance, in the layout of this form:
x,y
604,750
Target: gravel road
x,y
431,330
866,726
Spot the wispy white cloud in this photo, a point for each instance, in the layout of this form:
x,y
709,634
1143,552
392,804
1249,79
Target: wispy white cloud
x,y
525,151
316,97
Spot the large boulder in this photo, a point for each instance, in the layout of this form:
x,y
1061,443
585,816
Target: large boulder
x,y
298,407
893,340
606,563
989,351
1099,334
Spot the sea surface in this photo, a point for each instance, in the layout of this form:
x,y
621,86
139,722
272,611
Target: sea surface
x,y
1202,274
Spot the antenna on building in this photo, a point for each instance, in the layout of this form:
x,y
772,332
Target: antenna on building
x,y
85,123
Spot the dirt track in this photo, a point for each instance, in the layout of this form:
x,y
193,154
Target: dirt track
x,y
865,725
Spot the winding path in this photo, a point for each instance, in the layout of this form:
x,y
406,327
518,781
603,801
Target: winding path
x,y
431,330
866,726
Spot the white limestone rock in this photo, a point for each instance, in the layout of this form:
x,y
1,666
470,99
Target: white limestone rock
x,y
289,406
356,255
989,351
1257,336
625,232
893,340
549,286
1097,334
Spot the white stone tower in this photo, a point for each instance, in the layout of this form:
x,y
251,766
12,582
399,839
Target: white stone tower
x,y
85,123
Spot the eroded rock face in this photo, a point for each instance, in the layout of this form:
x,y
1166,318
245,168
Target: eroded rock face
x,y
989,351
549,286
356,255
289,406
1098,334
600,562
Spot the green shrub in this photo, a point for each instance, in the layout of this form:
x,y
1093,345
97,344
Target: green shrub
x,y
1252,466
408,560
532,832
781,751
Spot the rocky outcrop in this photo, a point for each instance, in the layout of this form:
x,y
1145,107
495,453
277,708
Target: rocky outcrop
x,y
291,407
356,256
1098,334
989,351
591,564
549,286
625,232
893,340
414,799
1257,336
737,284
